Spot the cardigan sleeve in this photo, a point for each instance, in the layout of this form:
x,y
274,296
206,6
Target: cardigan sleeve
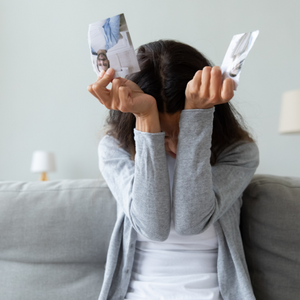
x,y
202,193
141,187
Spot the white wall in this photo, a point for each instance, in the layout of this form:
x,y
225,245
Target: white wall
x,y
45,69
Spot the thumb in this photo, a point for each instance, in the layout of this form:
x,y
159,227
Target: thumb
x,y
106,78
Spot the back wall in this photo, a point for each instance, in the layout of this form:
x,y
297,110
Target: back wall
x,y
45,70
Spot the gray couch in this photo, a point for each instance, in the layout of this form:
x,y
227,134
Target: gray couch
x,y
54,238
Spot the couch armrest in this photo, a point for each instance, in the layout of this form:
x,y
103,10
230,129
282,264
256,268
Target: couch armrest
x,y
270,227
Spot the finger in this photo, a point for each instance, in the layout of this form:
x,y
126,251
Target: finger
x,y
99,87
215,83
116,83
205,81
195,83
115,94
101,74
106,78
227,90
90,89
102,93
125,95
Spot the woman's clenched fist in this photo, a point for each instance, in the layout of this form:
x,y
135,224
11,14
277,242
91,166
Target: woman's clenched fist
x,y
124,95
207,89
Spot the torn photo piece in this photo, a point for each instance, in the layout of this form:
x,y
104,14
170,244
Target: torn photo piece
x,y
236,54
111,46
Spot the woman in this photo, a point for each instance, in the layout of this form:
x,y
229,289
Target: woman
x,y
177,160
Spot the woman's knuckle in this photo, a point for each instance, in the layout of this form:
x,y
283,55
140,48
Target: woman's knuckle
x,y
193,91
207,69
213,98
198,74
190,85
216,70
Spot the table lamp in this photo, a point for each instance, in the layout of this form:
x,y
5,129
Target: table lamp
x,y
42,162
290,112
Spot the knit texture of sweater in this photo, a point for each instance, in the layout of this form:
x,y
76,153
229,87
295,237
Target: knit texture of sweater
x,y
202,195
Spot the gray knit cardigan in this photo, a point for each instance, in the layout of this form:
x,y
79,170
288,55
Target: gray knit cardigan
x,y
202,195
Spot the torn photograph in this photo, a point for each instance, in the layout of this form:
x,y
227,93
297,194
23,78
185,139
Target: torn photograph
x,y
236,54
111,46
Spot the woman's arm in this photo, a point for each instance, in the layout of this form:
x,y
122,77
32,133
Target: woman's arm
x,y
201,193
140,187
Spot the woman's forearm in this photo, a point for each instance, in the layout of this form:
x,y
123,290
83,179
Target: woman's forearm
x,y
141,187
192,185
202,193
151,205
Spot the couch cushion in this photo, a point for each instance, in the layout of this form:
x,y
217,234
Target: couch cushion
x,y
270,226
54,238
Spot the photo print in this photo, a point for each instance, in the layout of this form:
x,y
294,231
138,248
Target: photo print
x,y
236,54
111,46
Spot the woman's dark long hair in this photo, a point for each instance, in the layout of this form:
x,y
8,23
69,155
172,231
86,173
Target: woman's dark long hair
x,y
166,68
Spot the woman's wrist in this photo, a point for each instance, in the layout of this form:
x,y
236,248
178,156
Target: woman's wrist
x,y
148,122
191,105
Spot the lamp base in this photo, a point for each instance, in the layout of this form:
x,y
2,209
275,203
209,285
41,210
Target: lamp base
x,y
44,177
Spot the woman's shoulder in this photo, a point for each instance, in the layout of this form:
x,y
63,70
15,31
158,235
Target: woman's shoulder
x,y
109,145
241,152
108,140
242,146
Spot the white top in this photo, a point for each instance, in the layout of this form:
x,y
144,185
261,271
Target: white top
x,y
181,267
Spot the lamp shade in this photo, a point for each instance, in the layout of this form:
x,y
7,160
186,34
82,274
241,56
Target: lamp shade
x,y
290,112
42,161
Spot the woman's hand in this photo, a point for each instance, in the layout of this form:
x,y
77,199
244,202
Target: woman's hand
x,y
124,95
207,89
